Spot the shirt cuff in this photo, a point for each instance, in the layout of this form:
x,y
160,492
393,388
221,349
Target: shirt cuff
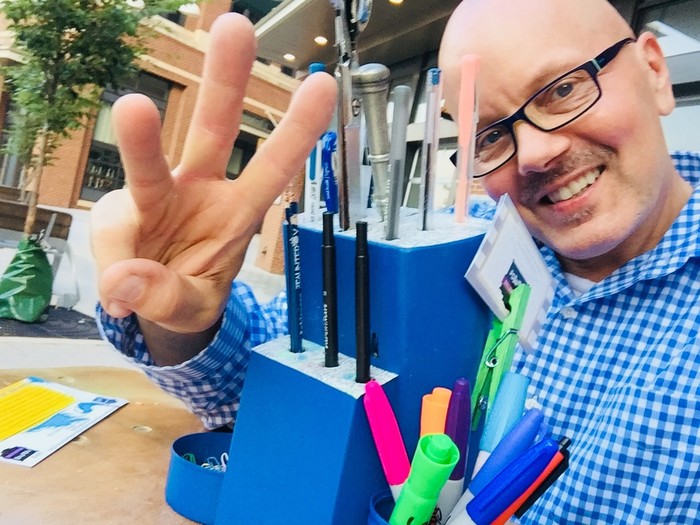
x,y
209,383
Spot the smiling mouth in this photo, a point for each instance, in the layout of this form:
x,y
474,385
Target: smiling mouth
x,y
574,188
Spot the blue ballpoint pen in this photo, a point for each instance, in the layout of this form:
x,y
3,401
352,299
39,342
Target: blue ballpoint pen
x,y
292,272
564,443
329,186
312,183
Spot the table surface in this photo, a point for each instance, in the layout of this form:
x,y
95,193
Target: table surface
x,y
115,472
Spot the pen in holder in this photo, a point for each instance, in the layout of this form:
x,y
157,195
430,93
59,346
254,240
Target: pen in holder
x,y
292,271
426,321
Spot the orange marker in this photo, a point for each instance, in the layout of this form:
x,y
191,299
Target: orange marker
x,y
434,411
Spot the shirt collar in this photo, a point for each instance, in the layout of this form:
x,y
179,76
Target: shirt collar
x,y
678,245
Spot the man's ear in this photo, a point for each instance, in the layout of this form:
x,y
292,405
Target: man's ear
x,y
658,73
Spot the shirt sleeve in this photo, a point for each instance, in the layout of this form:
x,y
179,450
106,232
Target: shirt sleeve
x,y
210,383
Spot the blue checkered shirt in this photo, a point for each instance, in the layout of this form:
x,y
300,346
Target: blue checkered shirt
x,y
615,369
210,383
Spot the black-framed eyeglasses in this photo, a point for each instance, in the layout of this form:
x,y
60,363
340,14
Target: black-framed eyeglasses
x,y
557,104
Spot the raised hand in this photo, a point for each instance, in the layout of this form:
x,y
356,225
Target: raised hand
x,y
169,244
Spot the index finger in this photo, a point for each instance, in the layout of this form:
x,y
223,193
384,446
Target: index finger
x,y
137,126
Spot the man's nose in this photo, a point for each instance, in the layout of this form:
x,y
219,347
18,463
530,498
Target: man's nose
x,y
536,148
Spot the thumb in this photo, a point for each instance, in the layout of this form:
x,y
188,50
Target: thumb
x,y
178,303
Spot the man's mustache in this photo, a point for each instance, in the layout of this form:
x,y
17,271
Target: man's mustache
x,y
536,180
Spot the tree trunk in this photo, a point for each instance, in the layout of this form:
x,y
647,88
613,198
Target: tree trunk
x,y
35,182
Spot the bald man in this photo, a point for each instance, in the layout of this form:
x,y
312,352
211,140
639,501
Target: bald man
x,y
569,127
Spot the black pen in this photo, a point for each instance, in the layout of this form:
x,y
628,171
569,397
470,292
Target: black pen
x,y
564,443
362,333
330,294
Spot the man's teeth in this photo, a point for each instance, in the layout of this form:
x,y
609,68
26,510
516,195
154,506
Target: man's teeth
x,y
574,187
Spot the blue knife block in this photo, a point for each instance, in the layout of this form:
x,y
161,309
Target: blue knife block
x,y
302,451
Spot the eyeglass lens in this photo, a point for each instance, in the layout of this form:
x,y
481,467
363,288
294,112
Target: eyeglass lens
x,y
554,106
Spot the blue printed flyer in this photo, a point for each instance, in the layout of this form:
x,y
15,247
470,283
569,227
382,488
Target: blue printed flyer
x,y
38,417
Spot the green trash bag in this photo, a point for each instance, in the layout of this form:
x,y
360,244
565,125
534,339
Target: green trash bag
x,y
25,287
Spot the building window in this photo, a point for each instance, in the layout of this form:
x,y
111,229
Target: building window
x,y
254,10
104,171
175,16
10,168
243,151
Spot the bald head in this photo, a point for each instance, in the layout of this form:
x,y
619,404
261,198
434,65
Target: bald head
x,y
512,35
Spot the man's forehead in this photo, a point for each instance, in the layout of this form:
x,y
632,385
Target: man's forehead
x,y
528,42
509,74
546,15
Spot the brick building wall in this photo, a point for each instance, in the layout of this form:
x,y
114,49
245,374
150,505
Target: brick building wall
x,y
176,54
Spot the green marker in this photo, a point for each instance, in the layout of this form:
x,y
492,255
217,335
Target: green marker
x,y
436,456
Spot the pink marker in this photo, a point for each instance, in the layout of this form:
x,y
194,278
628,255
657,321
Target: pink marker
x,y
468,118
387,437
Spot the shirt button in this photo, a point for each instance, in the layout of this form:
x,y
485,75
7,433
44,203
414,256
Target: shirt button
x,y
568,312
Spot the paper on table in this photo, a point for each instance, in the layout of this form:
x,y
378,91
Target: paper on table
x,y
508,256
28,447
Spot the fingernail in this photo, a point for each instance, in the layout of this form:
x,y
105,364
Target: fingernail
x,y
128,290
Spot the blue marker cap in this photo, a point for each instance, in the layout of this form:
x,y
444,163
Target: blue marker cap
x,y
291,210
513,444
434,75
511,483
507,409
329,186
316,67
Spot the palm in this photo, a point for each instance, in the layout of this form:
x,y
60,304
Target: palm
x,y
198,231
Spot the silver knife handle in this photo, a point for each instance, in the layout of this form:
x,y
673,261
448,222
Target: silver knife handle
x,y
371,85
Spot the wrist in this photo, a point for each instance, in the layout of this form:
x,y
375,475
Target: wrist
x,y
168,348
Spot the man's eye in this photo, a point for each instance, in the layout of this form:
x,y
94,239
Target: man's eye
x,y
565,95
562,90
491,144
491,138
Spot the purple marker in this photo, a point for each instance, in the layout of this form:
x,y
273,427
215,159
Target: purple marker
x,y
457,426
